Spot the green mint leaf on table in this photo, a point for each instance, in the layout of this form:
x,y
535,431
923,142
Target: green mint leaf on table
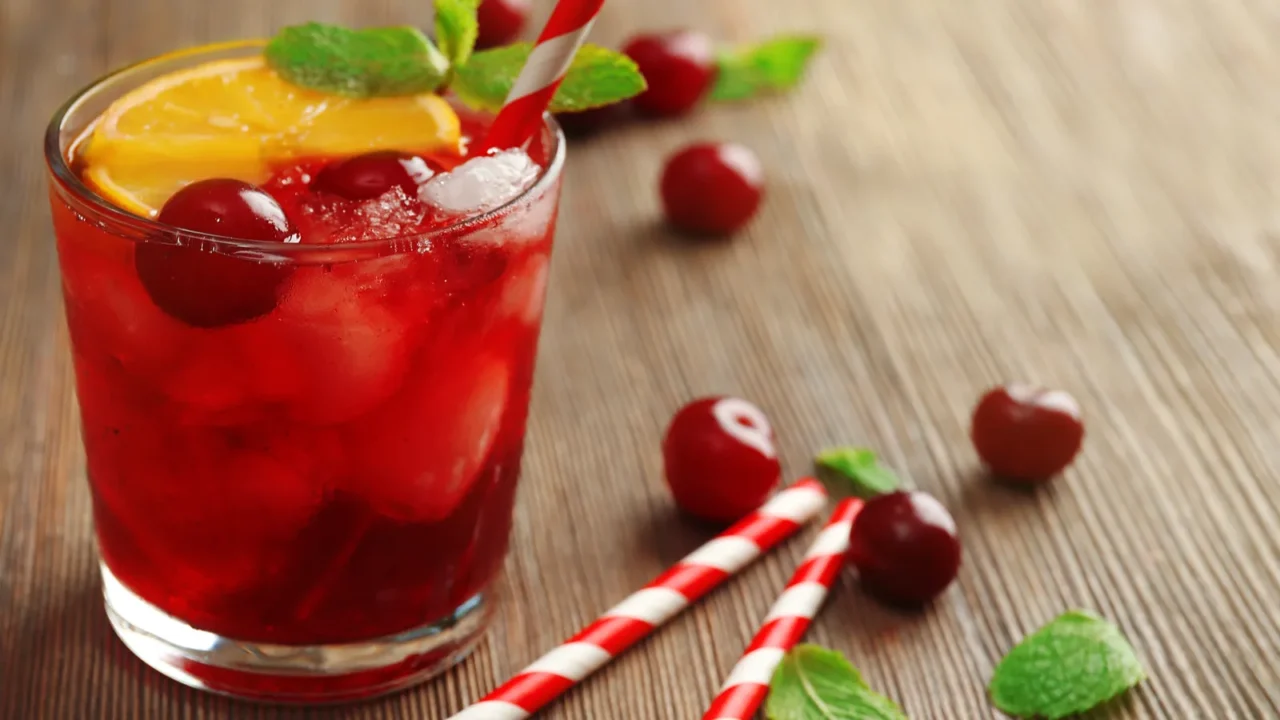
x,y
750,70
813,683
855,471
596,78
1075,663
357,63
457,28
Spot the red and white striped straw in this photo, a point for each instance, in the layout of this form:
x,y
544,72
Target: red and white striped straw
x,y
521,115
790,616
645,610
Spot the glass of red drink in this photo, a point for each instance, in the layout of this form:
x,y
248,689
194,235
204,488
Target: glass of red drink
x,y
306,497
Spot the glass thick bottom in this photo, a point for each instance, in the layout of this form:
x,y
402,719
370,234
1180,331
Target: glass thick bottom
x,y
288,673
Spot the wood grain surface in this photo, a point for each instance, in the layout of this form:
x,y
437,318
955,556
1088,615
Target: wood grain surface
x,y
1079,192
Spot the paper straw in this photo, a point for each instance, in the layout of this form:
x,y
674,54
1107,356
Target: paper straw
x,y
748,683
647,609
521,115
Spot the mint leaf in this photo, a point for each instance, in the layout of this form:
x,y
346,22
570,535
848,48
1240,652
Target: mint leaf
x,y
775,64
486,79
1075,663
457,28
858,471
813,683
357,63
597,77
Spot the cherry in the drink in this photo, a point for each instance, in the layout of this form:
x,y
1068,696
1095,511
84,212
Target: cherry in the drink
x,y
303,390
280,477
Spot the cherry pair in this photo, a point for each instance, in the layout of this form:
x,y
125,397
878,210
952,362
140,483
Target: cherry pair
x,y
211,289
721,463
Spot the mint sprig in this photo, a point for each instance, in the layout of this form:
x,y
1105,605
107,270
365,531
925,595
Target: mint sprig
x,y
1075,663
402,61
855,471
813,683
773,65
457,28
357,63
596,77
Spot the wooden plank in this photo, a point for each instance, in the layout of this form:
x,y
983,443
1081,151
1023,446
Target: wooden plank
x,y
960,193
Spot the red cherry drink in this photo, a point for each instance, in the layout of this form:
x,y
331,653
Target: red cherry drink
x,y
310,439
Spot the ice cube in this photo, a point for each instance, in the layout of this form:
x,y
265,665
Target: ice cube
x,y
208,380
522,298
423,452
326,219
228,505
237,516
351,345
107,307
234,374
531,221
391,215
481,183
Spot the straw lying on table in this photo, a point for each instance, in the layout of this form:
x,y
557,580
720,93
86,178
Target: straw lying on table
x,y
790,616
638,615
521,114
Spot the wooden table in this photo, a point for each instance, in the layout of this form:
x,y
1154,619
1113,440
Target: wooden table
x,y
1081,193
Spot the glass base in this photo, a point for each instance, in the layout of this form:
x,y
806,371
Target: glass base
x,y
289,673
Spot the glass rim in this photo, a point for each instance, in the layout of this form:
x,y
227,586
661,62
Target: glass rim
x,y
150,230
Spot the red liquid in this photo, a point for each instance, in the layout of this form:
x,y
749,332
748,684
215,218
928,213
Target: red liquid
x,y
339,469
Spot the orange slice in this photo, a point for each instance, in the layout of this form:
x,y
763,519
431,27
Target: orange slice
x,y
231,118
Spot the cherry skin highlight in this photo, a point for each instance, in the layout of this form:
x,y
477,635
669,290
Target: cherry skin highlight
x,y
1025,433
905,548
371,175
209,289
712,188
720,458
678,66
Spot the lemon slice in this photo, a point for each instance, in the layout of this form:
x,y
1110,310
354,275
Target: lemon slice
x,y
232,118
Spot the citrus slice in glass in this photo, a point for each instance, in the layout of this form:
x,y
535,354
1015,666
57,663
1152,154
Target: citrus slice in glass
x,y
232,118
